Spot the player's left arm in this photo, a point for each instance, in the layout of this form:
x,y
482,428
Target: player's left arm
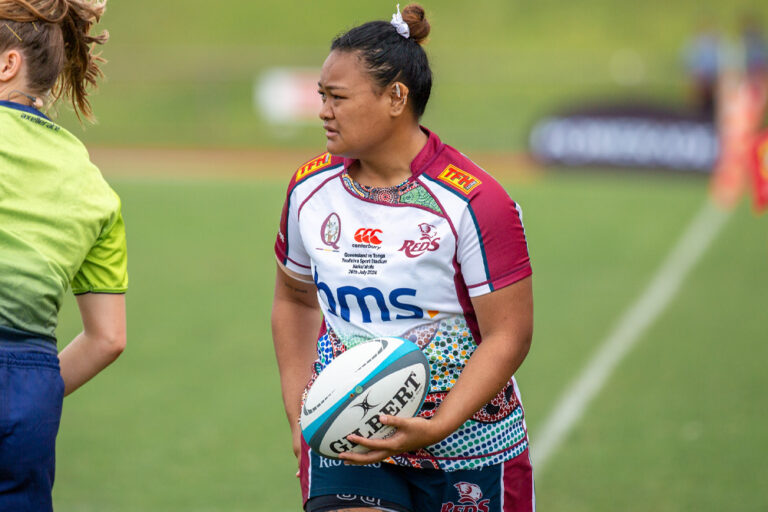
x,y
505,318
99,286
100,343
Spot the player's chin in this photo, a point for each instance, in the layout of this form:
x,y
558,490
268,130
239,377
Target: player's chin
x,y
335,146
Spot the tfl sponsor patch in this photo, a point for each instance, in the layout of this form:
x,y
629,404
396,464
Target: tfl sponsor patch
x,y
458,179
313,165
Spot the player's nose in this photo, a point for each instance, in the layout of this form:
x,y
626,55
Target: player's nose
x,y
325,112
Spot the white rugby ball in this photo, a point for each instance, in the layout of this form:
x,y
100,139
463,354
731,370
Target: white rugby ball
x,y
382,376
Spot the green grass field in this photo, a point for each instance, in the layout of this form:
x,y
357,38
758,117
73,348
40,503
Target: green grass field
x,y
181,72
190,418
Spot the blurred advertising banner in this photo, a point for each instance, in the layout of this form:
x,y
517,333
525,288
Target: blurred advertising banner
x,y
288,95
632,135
760,173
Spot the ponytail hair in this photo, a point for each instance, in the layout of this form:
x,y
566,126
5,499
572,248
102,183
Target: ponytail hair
x,y
54,37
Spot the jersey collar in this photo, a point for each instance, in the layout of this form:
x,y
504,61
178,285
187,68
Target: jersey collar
x,y
425,157
23,108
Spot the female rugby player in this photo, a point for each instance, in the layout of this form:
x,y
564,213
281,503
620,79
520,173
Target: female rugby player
x,y
391,232
60,226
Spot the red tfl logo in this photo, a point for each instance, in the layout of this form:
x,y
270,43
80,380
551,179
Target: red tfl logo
x,y
368,236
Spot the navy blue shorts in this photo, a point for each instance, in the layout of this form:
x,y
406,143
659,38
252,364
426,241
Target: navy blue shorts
x,y
328,484
31,394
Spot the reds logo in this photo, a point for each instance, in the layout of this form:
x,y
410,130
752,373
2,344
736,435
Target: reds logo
x,y
428,242
368,236
470,499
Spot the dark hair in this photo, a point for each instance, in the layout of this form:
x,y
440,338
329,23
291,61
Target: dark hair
x,y
54,36
390,57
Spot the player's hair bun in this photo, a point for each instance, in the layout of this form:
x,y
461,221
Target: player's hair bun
x,y
413,15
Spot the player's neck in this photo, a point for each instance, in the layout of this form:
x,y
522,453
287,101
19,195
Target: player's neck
x,y
12,91
389,164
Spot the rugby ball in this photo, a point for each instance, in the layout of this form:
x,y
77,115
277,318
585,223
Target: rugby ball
x,y
381,376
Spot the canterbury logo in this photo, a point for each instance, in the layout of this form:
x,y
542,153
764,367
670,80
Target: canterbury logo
x,y
368,236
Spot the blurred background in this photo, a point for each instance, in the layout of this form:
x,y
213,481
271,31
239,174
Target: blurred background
x,y
206,114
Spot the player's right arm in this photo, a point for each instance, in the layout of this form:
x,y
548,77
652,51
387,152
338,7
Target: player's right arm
x,y
296,320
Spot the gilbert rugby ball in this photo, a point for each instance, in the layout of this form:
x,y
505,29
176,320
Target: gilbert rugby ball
x,y
382,376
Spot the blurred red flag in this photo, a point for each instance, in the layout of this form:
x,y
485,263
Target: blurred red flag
x,y
760,172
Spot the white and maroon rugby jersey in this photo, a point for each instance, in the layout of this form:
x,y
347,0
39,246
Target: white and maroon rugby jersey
x,y
404,261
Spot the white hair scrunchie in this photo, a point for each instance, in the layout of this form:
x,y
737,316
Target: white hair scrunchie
x,y
399,24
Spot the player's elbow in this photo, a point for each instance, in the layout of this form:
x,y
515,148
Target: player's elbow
x,y
112,344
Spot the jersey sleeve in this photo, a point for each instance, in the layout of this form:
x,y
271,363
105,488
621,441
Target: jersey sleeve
x,y
289,247
492,249
105,268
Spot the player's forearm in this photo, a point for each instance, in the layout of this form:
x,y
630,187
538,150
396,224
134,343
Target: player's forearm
x,y
86,356
294,333
487,372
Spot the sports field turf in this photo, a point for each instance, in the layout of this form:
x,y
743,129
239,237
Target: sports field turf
x,y
190,418
181,72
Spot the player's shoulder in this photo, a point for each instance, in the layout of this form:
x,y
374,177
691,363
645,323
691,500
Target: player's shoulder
x,y
314,167
456,173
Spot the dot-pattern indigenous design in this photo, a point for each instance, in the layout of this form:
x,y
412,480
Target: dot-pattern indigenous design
x,y
422,335
408,192
448,351
494,434
476,445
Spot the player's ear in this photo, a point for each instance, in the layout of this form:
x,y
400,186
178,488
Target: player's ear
x,y
10,64
398,95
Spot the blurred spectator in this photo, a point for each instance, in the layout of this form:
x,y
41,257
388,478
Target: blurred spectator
x,y
702,59
755,62
755,49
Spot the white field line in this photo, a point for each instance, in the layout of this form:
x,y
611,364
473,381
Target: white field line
x,y
630,328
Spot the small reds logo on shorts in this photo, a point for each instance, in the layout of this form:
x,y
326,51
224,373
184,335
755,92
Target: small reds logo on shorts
x,y
368,236
429,241
459,179
313,165
470,499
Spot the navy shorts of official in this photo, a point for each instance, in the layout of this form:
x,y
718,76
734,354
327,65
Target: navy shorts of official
x,y
329,484
31,394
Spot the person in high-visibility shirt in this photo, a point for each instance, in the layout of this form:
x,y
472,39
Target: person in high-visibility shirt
x,y
60,227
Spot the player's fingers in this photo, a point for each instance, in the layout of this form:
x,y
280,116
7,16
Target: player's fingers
x,y
358,459
371,444
394,421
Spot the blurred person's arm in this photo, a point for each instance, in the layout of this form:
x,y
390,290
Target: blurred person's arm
x,y
296,320
101,342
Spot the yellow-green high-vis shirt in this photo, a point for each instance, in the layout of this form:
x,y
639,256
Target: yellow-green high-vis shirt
x,y
60,223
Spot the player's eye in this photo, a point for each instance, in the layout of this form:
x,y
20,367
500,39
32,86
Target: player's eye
x,y
322,95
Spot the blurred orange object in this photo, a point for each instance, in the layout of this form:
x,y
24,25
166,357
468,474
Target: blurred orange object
x,y
760,173
742,104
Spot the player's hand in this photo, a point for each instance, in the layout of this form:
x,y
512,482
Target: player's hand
x,y
412,434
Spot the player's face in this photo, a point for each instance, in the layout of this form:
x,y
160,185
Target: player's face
x,y
355,113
